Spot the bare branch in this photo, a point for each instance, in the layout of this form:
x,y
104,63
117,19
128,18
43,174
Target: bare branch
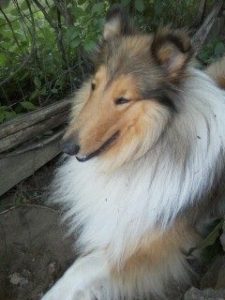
x,y
202,33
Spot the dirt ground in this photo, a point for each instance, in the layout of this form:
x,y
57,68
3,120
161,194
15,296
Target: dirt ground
x,y
32,190
34,251
32,255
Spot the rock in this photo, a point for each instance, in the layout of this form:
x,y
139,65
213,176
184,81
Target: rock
x,y
17,279
207,294
52,268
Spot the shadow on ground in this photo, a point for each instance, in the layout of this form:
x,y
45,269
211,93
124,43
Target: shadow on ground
x,y
33,251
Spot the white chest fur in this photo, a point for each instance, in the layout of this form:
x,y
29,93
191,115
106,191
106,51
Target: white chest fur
x,y
117,209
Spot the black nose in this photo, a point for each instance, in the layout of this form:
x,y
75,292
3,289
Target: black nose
x,y
69,147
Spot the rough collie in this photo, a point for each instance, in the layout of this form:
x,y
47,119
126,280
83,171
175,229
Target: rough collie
x,y
146,142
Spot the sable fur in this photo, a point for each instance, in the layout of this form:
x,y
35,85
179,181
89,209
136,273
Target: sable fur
x,y
137,203
217,72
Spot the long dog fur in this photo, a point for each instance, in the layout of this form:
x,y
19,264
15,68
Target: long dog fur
x,y
137,203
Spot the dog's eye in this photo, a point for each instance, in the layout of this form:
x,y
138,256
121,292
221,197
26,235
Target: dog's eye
x,y
93,86
121,100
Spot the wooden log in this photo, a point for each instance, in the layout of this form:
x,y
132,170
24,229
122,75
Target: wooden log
x,y
34,117
35,145
18,167
202,33
30,132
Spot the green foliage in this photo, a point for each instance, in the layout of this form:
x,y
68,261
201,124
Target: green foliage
x,y
212,51
28,105
139,5
42,50
43,44
6,113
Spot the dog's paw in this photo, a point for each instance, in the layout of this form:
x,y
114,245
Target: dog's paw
x,y
85,295
86,279
54,294
94,292
74,295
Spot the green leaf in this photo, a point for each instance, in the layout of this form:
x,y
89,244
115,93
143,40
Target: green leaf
x,y
3,108
125,2
79,11
37,82
9,115
158,8
89,45
28,105
2,59
54,91
2,117
139,5
43,91
23,6
219,49
72,33
82,2
75,43
35,94
98,7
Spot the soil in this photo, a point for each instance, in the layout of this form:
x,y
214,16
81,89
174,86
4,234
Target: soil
x,y
32,253
34,249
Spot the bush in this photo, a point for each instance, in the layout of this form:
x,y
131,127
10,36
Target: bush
x,y
42,44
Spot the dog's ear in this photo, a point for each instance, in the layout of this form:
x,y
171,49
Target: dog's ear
x,y
117,23
172,50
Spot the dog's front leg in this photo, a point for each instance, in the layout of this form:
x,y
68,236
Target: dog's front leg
x,y
84,280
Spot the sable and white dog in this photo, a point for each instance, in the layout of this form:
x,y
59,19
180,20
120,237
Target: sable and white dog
x,y
147,141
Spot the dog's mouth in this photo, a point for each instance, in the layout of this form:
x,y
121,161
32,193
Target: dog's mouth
x,y
105,145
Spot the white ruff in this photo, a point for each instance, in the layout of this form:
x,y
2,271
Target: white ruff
x,y
118,208
115,210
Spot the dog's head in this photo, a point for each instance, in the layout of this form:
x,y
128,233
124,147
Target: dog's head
x,y
130,99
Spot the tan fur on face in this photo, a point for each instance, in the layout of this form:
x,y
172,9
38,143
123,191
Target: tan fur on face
x,y
100,117
131,67
142,127
139,123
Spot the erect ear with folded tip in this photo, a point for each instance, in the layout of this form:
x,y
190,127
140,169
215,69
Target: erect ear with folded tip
x,y
172,50
117,23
